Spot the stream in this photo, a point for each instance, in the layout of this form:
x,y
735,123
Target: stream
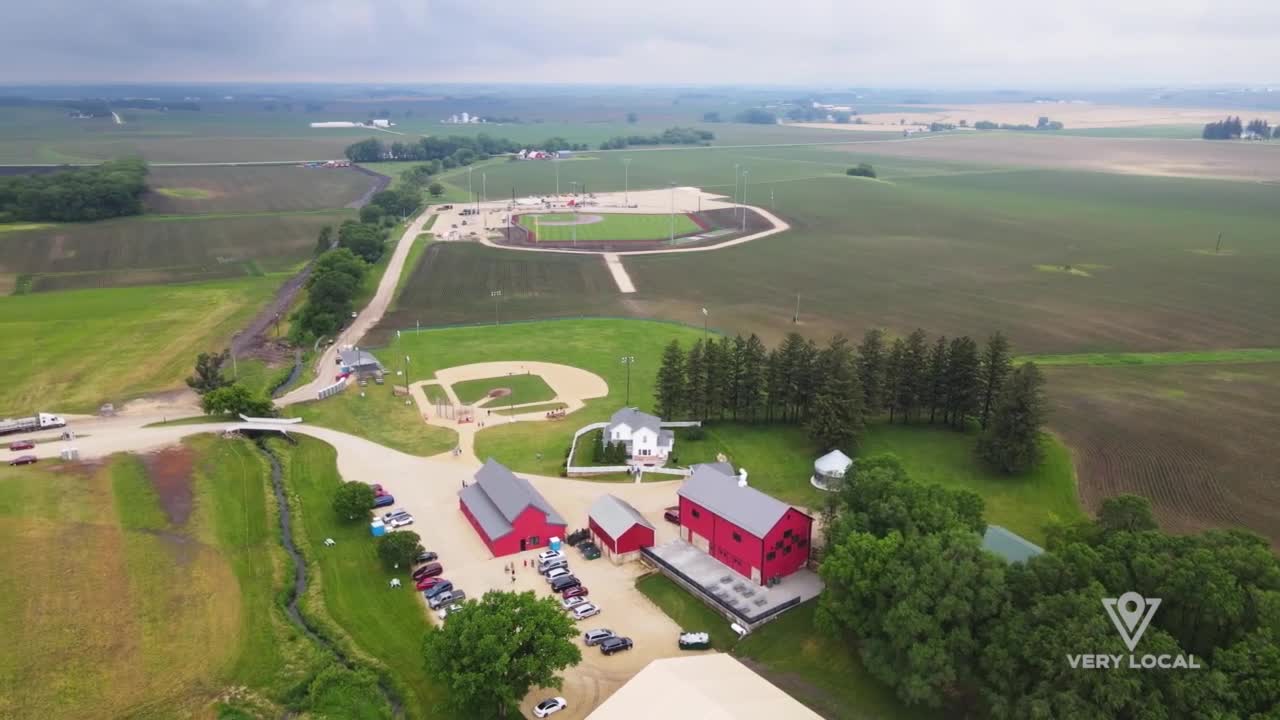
x,y
300,580
293,374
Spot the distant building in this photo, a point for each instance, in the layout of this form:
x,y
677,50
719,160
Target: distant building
x,y
619,528
382,123
465,118
335,124
755,534
359,361
829,470
1009,545
642,434
507,512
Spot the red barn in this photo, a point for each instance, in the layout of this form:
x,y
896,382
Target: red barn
x,y
619,528
507,512
757,535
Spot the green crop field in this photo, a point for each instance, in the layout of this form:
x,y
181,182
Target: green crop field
x,y
615,226
175,604
523,389
252,188
81,348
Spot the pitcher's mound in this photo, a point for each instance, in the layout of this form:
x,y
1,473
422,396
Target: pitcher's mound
x,y
499,392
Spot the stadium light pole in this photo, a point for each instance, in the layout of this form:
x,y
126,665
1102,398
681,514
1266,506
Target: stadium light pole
x,y
735,185
470,192
626,182
744,200
556,161
627,360
496,295
673,213
704,323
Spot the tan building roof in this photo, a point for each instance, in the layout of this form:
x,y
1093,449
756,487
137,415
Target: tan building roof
x,y
708,687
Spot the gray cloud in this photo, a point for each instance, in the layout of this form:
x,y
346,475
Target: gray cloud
x,y
858,42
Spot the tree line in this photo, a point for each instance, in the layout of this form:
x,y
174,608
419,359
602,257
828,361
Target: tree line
x,y
1231,128
112,189
220,395
948,625
1043,123
452,151
670,136
833,391
756,116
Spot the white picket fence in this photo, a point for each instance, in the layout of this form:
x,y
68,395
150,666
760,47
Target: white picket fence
x,y
332,390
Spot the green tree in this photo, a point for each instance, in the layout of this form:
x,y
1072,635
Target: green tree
x,y
962,381
353,501
364,240
695,381
871,369
996,363
912,381
324,241
632,118
755,375
1012,442
669,390
371,213
341,260
895,375
837,418
208,373
1126,513
502,646
737,355
862,170
435,189
236,400
879,498
398,549
716,359
935,395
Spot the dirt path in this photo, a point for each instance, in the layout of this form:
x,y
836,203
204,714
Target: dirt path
x,y
367,318
380,183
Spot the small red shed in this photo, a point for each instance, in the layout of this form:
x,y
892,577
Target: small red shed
x,y
619,528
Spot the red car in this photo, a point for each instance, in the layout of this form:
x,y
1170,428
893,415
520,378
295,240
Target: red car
x,y
427,583
672,514
377,490
578,591
24,460
21,445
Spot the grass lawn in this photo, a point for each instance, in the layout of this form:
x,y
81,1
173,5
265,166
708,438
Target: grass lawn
x,y
378,416
613,226
182,606
821,672
542,407
184,193
81,348
348,584
524,389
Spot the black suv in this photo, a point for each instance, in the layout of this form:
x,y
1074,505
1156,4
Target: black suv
x,y
615,644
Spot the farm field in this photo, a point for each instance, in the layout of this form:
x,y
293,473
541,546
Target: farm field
x,y
252,188
523,389
619,226
1143,430
85,347
182,584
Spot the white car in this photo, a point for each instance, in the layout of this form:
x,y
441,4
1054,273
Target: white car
x,y
397,520
571,603
445,612
548,555
557,573
549,706
584,611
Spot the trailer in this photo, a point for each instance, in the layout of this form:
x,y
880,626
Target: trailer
x,y
39,421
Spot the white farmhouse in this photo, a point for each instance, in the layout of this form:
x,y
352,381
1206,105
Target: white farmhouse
x,y
642,434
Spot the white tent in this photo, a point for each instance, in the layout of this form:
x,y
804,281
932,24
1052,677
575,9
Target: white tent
x,y
829,470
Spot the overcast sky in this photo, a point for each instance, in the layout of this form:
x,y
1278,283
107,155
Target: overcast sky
x,y
891,43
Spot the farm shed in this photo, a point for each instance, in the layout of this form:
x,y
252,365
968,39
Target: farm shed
x,y
359,361
619,528
507,512
757,535
829,470
714,686
1009,545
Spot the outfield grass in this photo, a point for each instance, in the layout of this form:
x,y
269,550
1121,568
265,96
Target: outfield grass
x,y
612,226
74,350
349,586
524,389
1245,355
378,416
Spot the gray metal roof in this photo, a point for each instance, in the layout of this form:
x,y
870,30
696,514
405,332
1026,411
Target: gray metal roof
x,y
498,496
358,358
1009,545
635,419
833,463
718,491
615,516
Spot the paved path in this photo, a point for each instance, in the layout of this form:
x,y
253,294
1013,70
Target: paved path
x,y
367,318
620,276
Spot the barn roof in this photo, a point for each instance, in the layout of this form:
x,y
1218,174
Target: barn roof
x,y
718,491
498,496
615,516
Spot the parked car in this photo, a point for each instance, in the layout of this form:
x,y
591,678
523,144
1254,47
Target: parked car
x,y
575,591
584,611
445,612
435,602
561,584
442,587
426,557
429,583
672,514
570,603
556,574
615,644
423,571
378,490
24,460
694,641
399,519
21,445
546,555
590,550
551,564
458,595
384,501
591,638
549,706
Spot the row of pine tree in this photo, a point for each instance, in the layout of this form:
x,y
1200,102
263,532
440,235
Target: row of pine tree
x,y
836,389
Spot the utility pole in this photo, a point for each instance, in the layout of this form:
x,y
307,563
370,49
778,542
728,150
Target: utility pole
x,y
627,360
471,194
744,200
673,213
1218,248
496,295
556,161
735,187
704,323
796,318
408,395
626,182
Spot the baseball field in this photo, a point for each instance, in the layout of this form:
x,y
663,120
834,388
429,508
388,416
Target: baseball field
x,y
590,226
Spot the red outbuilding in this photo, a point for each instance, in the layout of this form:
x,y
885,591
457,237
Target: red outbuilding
x,y
507,512
618,528
757,535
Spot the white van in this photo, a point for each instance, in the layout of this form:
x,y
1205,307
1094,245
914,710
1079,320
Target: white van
x,y
549,564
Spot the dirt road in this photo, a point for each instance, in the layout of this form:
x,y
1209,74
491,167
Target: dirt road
x,y
367,318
